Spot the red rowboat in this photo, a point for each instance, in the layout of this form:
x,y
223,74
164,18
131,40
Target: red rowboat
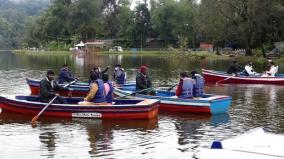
x,y
221,77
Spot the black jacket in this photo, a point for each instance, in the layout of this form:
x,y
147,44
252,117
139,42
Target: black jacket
x,y
142,82
46,91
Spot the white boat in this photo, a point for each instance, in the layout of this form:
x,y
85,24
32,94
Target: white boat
x,y
255,144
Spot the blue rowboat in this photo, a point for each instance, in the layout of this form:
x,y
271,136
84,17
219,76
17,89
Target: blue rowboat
x,y
79,89
120,109
207,103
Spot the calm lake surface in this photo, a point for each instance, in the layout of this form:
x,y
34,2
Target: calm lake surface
x,y
170,135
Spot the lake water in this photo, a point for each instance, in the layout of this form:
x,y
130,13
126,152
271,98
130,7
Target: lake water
x,y
170,135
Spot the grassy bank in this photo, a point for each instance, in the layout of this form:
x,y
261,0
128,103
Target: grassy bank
x,y
40,52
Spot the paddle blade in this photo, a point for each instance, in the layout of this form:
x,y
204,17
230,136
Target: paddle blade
x,y
34,120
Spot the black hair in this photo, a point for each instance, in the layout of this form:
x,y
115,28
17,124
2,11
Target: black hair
x,y
50,72
105,77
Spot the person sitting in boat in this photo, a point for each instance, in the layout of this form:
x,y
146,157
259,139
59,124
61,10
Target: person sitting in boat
x,y
97,72
48,87
235,68
185,86
96,94
198,87
272,71
108,88
143,82
65,75
249,70
119,75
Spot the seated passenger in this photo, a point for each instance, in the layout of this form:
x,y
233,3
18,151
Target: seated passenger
x,y
272,71
65,75
108,88
143,82
119,75
96,94
185,86
48,88
234,69
198,87
249,70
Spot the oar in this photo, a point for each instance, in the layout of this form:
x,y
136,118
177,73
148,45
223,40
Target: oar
x,y
37,116
169,89
135,92
223,80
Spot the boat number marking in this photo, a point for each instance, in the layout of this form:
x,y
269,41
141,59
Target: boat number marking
x,y
87,115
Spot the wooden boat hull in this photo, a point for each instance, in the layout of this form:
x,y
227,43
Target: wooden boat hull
x,y
122,109
221,77
209,104
79,89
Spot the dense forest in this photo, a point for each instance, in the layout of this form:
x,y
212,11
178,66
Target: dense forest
x,y
247,24
14,17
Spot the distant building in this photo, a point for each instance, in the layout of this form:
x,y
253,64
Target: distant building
x,y
93,45
279,45
206,46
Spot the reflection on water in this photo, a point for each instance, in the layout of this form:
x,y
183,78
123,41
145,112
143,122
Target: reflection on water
x,y
170,135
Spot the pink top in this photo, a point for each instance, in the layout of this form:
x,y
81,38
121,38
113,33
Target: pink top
x,y
107,88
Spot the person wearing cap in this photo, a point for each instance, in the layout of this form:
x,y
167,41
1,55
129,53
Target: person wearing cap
x,y
143,82
185,86
48,88
235,68
198,87
96,94
65,75
108,88
119,75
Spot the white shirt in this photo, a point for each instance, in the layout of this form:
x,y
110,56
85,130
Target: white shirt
x,y
249,70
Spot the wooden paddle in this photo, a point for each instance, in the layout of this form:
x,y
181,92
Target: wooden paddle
x,y
135,92
223,80
169,89
37,116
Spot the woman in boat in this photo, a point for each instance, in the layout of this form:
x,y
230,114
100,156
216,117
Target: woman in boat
x,y
198,87
119,75
235,68
143,82
96,94
272,71
249,70
108,88
48,88
65,75
185,86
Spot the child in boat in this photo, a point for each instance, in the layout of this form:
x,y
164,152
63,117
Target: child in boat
x,y
185,86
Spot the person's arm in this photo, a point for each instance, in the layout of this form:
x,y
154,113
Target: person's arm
x,y
93,90
105,70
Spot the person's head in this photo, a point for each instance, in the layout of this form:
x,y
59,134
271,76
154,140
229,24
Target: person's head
x,y
105,77
117,67
143,69
193,73
97,69
50,75
183,74
250,63
65,66
93,77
